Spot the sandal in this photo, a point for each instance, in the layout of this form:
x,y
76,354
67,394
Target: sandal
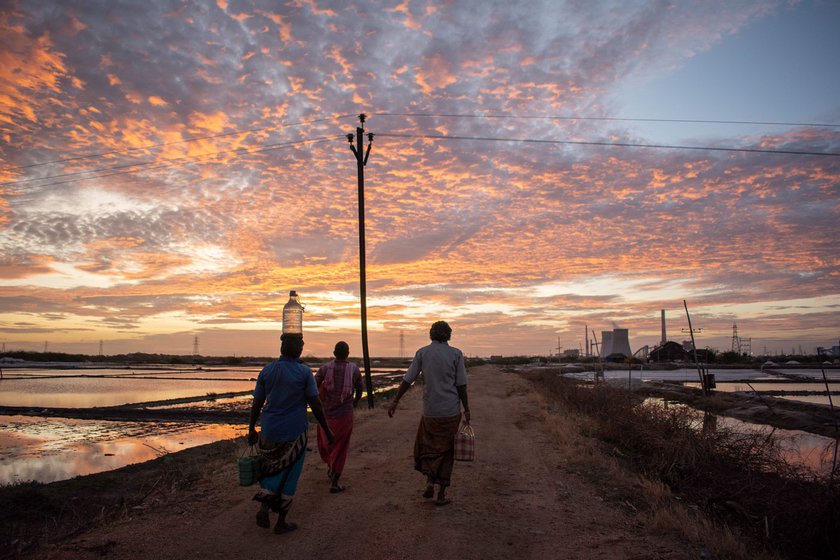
x,y
284,528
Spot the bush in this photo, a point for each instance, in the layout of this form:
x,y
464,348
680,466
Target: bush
x,y
739,479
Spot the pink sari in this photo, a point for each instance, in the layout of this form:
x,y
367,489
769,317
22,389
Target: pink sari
x,y
335,455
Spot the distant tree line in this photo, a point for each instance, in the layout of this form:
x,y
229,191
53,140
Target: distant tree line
x,y
134,358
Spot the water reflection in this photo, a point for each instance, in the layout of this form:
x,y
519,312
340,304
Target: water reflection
x,y
47,388
84,392
47,450
814,452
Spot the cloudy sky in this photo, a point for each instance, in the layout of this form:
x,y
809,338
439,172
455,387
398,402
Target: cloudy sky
x,y
170,170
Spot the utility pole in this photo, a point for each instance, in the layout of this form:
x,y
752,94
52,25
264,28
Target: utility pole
x,y
361,160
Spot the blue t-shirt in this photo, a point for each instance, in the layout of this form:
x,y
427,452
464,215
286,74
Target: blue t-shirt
x,y
284,384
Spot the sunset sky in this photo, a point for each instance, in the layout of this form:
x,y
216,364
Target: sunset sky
x,y
170,170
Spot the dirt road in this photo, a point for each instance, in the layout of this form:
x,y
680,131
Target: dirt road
x,y
519,499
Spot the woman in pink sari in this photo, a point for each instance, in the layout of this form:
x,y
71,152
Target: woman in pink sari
x,y
337,382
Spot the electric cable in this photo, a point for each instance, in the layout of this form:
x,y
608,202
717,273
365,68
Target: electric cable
x,y
620,119
609,144
187,140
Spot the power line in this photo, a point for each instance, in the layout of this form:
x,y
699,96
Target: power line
x,y
609,144
620,119
194,139
126,172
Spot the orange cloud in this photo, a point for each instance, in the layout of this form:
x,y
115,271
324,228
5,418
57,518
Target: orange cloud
x,y
28,67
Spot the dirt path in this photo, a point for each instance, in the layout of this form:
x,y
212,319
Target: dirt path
x,y
517,500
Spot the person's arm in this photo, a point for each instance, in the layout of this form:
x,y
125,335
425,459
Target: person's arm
x,y
320,376
359,387
318,411
392,408
410,376
462,394
256,408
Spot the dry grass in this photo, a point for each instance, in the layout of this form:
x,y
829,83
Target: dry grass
x,y
730,492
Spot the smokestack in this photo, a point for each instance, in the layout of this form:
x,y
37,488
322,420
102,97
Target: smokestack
x,y
664,338
586,335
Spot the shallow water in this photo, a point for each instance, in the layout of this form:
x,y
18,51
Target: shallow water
x,y
812,451
87,388
50,449
763,388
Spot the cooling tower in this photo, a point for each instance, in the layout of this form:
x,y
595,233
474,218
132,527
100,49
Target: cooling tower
x,y
606,343
621,342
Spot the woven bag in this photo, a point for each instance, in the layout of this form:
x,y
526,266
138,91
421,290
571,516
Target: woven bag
x,y
465,444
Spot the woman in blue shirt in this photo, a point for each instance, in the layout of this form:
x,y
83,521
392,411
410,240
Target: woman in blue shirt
x,y
284,388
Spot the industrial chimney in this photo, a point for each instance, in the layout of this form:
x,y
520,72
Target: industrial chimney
x,y
664,337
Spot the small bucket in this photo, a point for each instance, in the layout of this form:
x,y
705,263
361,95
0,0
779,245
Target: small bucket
x,y
250,468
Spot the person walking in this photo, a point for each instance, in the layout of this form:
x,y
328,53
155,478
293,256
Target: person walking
x,y
444,393
340,388
284,388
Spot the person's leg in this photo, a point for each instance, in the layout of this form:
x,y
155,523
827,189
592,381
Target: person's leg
x,y
342,428
263,519
441,499
429,492
446,461
288,489
269,490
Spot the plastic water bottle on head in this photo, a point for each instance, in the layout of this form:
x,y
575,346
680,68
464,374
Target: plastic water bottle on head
x,y
293,315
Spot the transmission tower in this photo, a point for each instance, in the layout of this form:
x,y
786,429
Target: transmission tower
x,y
736,342
100,347
195,347
402,345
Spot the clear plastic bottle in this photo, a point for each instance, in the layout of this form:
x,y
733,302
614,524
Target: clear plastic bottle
x,y
293,315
